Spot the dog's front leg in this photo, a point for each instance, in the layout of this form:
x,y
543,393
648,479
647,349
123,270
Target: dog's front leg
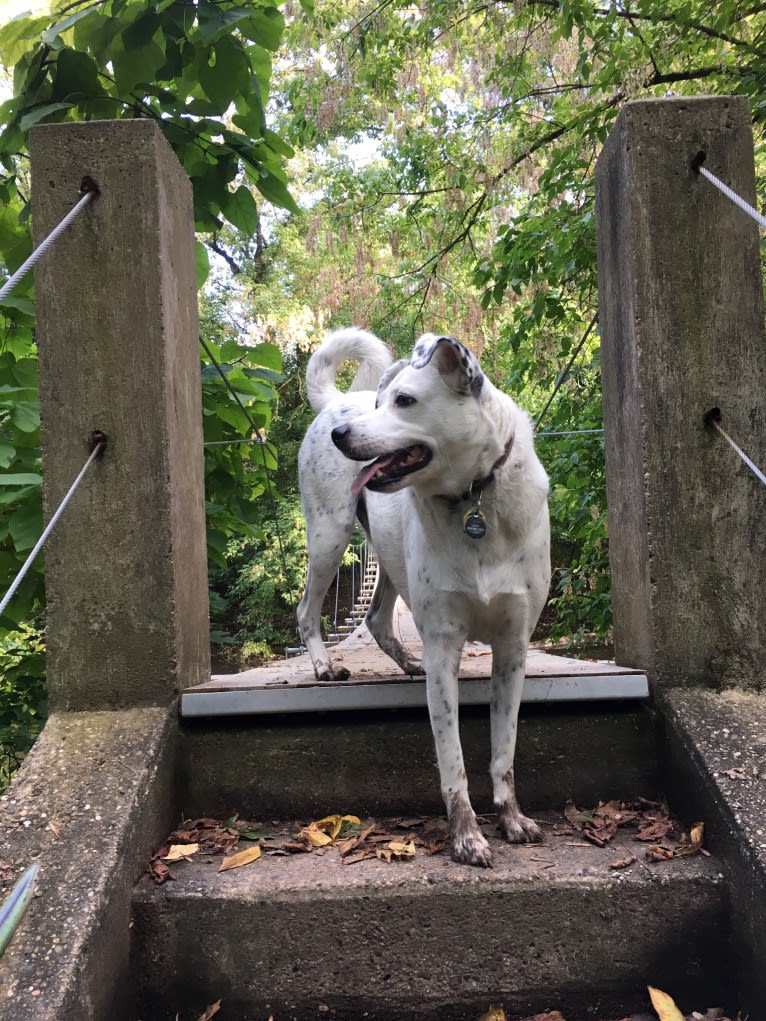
x,y
509,654
442,662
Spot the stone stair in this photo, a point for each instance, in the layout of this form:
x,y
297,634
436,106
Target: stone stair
x,y
552,926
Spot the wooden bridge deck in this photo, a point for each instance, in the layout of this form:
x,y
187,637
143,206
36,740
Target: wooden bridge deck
x,y
377,683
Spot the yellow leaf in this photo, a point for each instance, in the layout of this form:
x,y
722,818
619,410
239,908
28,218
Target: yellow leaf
x,y
664,1005
235,861
396,850
495,1013
695,840
177,852
325,831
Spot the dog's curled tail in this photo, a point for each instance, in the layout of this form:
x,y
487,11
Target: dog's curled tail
x,y
340,346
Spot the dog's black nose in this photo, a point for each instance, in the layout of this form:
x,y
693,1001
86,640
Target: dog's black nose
x,y
340,436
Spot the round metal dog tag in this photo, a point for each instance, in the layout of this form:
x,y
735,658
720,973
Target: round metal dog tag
x,y
474,524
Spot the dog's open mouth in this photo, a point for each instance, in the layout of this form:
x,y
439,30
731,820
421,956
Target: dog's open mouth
x,y
390,469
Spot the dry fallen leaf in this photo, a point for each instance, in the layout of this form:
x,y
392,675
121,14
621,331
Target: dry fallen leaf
x,y
659,854
352,843
245,857
395,850
549,1015
179,852
494,1013
159,871
624,863
325,831
664,1005
695,841
211,1011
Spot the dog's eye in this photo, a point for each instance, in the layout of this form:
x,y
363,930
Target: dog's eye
x,y
404,400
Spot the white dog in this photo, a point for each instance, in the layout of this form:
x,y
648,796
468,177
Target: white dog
x,y
454,501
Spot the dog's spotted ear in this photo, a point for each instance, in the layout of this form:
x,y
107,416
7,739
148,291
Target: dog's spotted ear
x,y
388,375
459,369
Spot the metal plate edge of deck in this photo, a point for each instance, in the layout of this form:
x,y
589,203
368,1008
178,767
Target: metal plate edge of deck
x,y
395,693
289,686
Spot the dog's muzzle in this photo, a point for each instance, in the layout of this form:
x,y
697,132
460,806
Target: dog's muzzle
x,y
386,471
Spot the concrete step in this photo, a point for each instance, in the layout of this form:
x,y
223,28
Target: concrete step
x,y
551,926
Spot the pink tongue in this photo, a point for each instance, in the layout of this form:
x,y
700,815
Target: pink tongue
x,y
367,473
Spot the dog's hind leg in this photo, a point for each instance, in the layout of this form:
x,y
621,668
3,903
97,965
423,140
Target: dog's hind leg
x,y
380,622
328,537
509,653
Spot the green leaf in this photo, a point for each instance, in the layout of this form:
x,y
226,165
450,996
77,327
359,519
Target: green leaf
x,y
203,263
20,479
76,75
26,416
269,356
39,113
242,211
135,65
25,525
7,455
276,192
265,27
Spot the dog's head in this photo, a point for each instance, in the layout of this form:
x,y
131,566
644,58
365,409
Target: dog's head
x,y
425,412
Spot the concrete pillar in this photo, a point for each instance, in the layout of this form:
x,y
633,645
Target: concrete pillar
x,y
126,568
682,330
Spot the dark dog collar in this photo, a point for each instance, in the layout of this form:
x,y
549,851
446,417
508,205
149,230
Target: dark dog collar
x,y
478,485
476,488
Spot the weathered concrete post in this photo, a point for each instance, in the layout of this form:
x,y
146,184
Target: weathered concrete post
x,y
126,571
682,328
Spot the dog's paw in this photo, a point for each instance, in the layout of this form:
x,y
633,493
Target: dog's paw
x,y
330,674
413,668
471,849
518,829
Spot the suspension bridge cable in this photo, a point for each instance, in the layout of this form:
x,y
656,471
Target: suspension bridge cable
x,y
100,443
88,191
713,418
261,443
697,167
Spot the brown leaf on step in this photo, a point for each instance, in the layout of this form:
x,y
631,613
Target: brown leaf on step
x,y
235,861
409,824
548,1015
659,854
211,1011
290,847
350,844
617,812
435,836
664,1005
695,841
655,829
624,863
494,1013
159,871
363,855
213,836
395,850
576,816
600,831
